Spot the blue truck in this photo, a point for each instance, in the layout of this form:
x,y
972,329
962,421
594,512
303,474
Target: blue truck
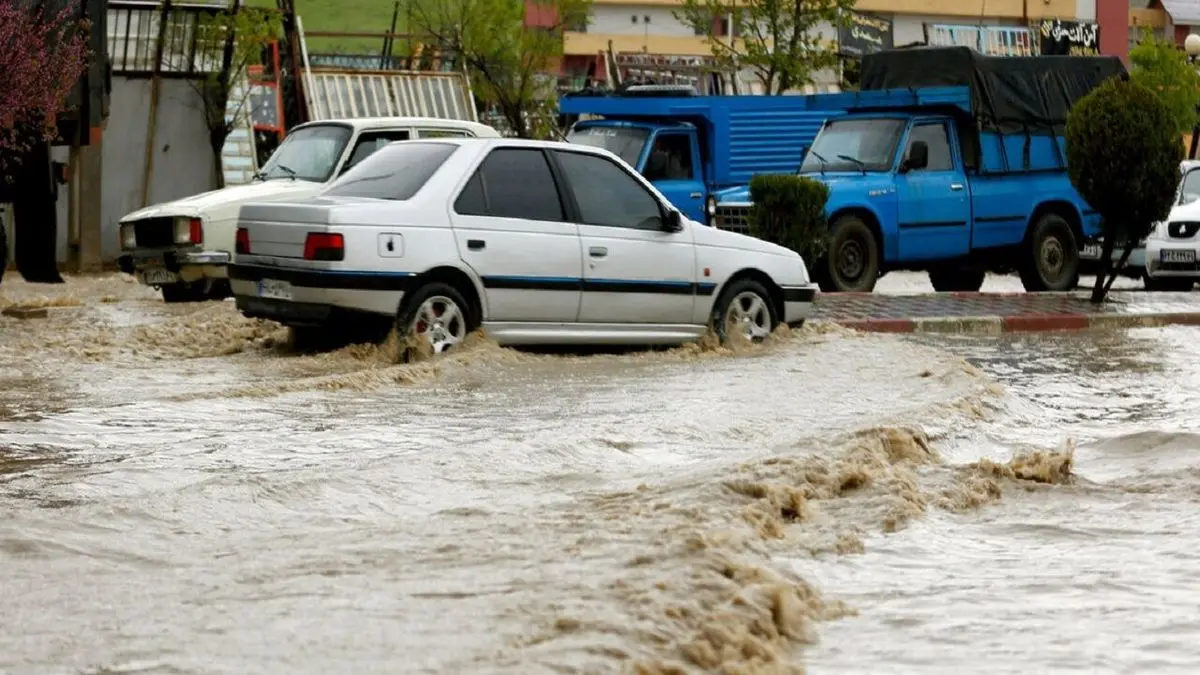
x,y
692,146
950,162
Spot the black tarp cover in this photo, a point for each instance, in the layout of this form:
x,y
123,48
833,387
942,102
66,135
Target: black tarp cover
x,y
1011,94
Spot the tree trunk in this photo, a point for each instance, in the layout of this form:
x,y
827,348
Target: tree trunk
x,y
1100,288
216,139
1124,259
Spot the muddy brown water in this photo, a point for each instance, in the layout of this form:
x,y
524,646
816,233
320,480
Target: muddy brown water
x,y
182,493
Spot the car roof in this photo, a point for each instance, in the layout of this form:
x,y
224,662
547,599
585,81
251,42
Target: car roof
x,y
525,143
369,123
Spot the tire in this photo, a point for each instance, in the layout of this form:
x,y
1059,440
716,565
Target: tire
x,y
1050,261
184,292
852,263
956,279
1168,284
424,304
219,289
747,303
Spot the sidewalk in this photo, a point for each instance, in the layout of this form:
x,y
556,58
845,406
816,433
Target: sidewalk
x,y
991,313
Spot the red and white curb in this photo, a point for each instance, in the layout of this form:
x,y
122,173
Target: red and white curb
x,y
1020,323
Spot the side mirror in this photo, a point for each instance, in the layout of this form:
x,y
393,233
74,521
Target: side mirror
x,y
673,222
918,157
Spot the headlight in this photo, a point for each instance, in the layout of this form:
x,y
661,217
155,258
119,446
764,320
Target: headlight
x,y
711,208
128,237
189,231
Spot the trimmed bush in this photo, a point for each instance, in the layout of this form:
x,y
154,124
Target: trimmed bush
x,y
789,210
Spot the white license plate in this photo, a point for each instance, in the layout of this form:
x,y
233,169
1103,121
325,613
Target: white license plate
x,y
1177,255
1091,251
274,289
156,276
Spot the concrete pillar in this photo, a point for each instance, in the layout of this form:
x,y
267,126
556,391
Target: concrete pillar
x,y
91,237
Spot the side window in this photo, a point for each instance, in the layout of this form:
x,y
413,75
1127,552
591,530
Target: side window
x,y
935,137
471,201
370,141
670,158
512,183
443,133
607,194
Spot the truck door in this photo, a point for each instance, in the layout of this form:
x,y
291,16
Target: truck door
x,y
673,165
933,202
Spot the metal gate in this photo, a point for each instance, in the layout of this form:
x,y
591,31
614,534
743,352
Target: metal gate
x,y
349,94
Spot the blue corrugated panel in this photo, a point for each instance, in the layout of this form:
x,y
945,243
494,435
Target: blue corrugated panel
x,y
769,141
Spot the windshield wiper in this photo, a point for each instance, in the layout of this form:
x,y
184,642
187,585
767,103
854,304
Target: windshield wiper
x,y
291,174
820,159
861,166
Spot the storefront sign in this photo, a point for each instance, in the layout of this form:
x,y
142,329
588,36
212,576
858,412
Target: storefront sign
x,y
864,34
1070,38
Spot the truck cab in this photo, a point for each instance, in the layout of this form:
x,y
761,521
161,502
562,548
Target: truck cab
x,y
946,179
692,146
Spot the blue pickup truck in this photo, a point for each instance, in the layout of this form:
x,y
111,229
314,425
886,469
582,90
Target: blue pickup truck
x,y
952,163
691,146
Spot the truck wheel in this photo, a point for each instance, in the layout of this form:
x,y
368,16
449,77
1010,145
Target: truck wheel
x,y
1051,258
852,263
956,279
184,292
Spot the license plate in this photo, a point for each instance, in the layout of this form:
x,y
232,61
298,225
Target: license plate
x,y
274,289
1177,255
1091,251
157,276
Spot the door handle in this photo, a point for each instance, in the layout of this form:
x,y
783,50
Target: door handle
x,y
476,244
597,251
956,186
696,195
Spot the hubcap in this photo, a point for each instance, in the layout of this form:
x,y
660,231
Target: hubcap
x,y
440,320
1052,257
748,314
850,260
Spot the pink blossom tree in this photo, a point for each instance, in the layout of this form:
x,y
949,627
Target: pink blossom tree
x,y
42,57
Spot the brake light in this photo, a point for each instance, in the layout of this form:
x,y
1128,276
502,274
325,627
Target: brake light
x,y
196,231
242,243
324,246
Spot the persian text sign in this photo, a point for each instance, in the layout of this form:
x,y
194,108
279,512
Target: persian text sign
x,y
1070,38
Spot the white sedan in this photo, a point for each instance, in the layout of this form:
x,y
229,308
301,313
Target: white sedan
x,y
537,242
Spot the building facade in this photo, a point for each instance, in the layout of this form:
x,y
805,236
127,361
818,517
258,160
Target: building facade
x,y
649,28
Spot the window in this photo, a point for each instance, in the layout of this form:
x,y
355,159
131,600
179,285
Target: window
x,y
935,137
309,153
512,183
370,141
1189,187
443,133
624,142
394,172
607,194
670,158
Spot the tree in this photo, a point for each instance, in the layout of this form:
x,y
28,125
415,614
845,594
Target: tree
x,y
1164,69
232,41
507,48
1123,154
782,41
42,59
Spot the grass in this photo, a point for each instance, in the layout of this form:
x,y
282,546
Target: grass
x,y
373,16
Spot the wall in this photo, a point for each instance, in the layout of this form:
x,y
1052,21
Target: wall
x,y
182,166
908,28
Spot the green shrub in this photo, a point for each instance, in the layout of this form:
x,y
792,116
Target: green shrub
x,y
1123,154
789,210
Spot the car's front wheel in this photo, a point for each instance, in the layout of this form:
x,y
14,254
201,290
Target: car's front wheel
x,y
745,307
435,312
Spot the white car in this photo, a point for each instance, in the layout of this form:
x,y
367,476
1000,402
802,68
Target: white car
x,y
1135,268
183,247
538,242
1172,246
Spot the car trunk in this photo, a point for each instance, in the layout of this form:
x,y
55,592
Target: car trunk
x,y
279,229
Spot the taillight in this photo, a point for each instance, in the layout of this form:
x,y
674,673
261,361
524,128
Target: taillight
x,y
196,229
242,243
324,246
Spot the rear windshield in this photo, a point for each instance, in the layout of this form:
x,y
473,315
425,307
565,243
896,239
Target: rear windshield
x,y
395,171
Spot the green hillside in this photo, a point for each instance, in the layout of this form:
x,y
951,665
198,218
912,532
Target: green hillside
x,y
368,16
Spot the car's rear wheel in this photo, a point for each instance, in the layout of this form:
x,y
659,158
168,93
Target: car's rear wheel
x,y
745,307
436,312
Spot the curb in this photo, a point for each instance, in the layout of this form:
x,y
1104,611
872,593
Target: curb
x,y
1019,323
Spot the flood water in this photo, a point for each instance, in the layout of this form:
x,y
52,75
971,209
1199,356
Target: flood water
x,y
182,493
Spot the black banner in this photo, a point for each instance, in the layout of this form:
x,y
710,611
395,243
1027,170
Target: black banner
x,y
1069,38
864,34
